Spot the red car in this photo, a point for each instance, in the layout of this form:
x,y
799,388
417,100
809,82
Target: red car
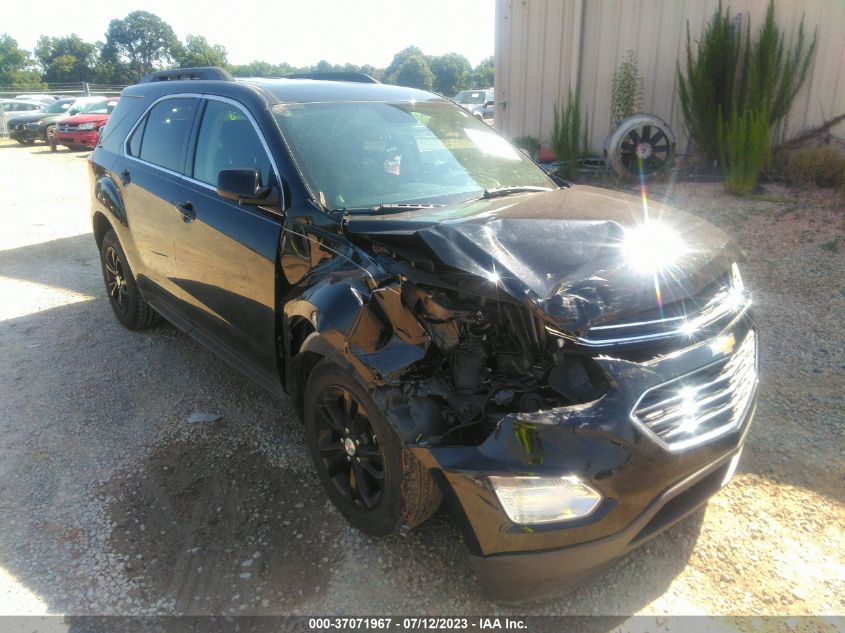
x,y
83,129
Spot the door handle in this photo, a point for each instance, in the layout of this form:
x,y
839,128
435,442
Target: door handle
x,y
125,177
187,211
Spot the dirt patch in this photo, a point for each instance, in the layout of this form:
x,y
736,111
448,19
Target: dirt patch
x,y
220,533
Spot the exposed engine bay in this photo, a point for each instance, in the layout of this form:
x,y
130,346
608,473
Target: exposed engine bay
x,y
480,359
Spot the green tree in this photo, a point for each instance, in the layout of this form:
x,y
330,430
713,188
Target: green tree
x,y
143,40
15,65
414,72
398,60
196,51
482,75
451,72
66,58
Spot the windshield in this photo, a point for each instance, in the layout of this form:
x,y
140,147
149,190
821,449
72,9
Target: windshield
x,y
470,97
360,154
58,107
99,107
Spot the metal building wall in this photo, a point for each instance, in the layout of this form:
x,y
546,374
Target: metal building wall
x,y
544,47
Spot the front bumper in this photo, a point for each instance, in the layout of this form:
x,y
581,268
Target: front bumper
x,y
86,138
645,487
24,134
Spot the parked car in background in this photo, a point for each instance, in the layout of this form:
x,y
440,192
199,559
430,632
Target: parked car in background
x,y
83,130
479,102
41,98
573,374
38,126
20,106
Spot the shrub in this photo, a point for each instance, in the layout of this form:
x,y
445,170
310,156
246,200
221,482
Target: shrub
x,y
731,72
626,93
743,149
529,143
816,167
708,87
569,136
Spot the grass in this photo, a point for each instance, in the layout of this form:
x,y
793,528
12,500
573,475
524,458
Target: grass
x,y
831,245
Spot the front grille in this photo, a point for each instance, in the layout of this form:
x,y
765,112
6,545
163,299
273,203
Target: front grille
x,y
703,404
66,128
710,308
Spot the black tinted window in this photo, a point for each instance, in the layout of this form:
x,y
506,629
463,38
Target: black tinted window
x,y
135,141
227,140
166,133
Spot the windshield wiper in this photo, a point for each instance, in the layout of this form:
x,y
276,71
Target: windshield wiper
x,y
391,207
506,191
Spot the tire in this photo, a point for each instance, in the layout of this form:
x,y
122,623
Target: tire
x,y
48,135
126,301
338,410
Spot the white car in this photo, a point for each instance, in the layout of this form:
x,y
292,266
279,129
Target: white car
x,y
13,107
42,98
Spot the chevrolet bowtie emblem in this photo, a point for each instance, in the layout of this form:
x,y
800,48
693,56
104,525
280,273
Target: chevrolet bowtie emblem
x,y
723,345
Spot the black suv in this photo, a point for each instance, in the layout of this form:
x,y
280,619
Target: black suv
x,y
571,368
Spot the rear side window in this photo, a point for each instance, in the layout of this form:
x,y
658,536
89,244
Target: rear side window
x,y
228,140
164,134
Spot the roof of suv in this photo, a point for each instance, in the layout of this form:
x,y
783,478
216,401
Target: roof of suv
x,y
276,90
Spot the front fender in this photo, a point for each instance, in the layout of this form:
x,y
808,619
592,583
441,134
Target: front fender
x,y
372,331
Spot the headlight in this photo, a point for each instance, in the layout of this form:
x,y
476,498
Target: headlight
x,y
736,278
737,296
529,500
86,126
652,247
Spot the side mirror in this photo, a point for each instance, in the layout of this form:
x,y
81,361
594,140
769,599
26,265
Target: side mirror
x,y
244,187
488,103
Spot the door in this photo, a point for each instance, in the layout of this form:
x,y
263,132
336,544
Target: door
x,y
226,253
148,178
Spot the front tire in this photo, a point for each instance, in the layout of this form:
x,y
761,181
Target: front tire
x,y
375,483
126,301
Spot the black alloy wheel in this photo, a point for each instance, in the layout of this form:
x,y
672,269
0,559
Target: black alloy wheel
x,y
371,478
126,301
349,447
116,280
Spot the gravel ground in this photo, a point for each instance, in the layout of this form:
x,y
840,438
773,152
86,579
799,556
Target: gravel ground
x,y
111,503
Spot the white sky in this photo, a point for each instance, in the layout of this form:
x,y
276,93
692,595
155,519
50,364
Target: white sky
x,y
299,32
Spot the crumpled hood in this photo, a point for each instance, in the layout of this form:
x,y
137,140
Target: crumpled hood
x,y
560,251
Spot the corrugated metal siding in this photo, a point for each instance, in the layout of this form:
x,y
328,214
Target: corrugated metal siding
x,y
545,46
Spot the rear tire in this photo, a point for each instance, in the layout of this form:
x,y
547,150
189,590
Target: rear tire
x,y
126,301
372,479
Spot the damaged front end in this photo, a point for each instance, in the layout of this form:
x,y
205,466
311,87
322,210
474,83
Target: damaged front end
x,y
524,360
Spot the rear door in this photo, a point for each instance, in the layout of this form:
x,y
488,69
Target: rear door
x,y
148,179
226,253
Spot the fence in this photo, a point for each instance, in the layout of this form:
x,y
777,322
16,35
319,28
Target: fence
x,y
72,89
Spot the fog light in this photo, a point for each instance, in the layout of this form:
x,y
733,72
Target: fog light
x,y
545,499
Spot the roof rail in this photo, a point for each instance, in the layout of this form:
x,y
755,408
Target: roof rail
x,y
360,78
178,74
